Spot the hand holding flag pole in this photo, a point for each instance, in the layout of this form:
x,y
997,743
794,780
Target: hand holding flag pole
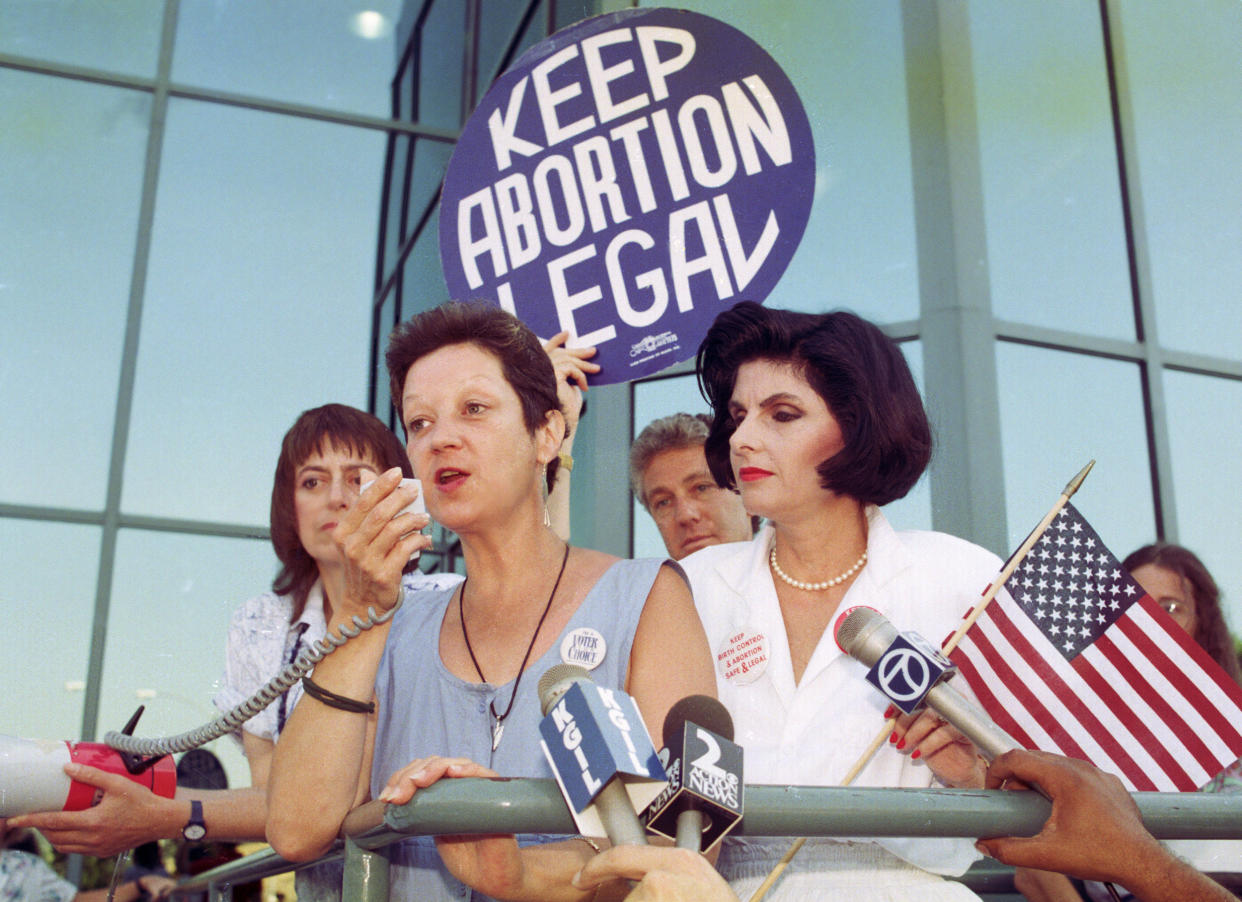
x,y
1015,560
886,730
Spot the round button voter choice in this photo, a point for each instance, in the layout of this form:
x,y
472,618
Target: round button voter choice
x,y
585,647
629,178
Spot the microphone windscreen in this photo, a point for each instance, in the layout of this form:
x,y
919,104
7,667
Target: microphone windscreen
x,y
701,710
556,681
852,624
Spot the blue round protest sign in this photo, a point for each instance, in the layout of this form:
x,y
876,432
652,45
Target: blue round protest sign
x,y
629,178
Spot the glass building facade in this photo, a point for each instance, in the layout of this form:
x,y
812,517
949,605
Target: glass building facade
x,y
1042,202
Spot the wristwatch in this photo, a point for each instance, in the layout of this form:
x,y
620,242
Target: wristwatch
x,y
195,829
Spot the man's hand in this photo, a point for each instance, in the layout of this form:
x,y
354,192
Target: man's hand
x,y
1094,826
663,874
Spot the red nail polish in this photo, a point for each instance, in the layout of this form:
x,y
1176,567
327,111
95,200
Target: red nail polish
x,y
915,754
890,711
901,745
893,738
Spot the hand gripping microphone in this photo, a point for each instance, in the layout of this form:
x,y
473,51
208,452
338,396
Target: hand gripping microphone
x,y
33,778
908,669
703,800
598,747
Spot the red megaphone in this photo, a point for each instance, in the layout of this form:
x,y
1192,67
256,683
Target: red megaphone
x,y
33,778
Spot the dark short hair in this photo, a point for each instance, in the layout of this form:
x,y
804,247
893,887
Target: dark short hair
x,y
859,372
315,431
523,361
1213,634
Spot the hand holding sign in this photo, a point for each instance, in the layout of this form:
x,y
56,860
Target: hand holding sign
x,y
572,366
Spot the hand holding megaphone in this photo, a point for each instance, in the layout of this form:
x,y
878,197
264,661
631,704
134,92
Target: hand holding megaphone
x,y
81,796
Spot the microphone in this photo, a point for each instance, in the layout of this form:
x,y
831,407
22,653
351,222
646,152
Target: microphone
x,y
33,778
600,753
703,800
909,670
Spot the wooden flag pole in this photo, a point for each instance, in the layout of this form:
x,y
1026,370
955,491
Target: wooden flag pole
x,y
950,644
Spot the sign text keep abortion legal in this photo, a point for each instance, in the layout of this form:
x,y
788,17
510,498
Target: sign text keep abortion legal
x,y
629,178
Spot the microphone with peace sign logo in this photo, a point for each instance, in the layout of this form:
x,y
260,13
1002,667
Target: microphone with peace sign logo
x,y
911,672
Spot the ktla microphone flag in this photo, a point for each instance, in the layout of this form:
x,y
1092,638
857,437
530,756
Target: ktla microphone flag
x,y
1074,657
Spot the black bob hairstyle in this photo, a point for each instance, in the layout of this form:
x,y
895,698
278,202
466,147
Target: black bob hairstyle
x,y
859,372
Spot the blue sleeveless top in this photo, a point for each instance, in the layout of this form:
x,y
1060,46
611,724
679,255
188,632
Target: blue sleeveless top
x,y
425,710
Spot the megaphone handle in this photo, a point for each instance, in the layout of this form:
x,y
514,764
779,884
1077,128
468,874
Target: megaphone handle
x,y
135,764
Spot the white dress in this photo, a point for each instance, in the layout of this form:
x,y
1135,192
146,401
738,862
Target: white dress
x,y
812,733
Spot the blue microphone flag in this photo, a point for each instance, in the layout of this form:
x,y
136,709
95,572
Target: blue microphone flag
x,y
592,735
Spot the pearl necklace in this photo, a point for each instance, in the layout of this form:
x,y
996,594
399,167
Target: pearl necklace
x,y
815,587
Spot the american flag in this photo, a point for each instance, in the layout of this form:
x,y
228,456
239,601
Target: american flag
x,y
1074,657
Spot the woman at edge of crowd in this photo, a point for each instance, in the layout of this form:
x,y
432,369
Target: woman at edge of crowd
x,y
324,457
1179,582
484,426
818,422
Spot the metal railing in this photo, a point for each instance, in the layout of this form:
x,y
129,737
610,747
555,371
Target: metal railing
x,y
536,806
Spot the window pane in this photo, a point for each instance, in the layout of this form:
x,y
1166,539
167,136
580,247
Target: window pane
x,y
859,247
914,511
567,12
403,88
399,167
536,30
71,158
1055,234
381,400
258,303
422,282
498,19
1185,77
47,583
172,597
319,52
431,159
1206,446
1058,411
118,35
441,67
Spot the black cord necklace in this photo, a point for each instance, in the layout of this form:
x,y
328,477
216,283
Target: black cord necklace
x,y
498,727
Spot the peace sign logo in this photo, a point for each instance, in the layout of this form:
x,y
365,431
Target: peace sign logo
x,y
904,674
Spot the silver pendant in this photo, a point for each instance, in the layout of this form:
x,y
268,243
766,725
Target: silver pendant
x,y
498,730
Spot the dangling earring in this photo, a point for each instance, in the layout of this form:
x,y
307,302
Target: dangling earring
x,y
543,486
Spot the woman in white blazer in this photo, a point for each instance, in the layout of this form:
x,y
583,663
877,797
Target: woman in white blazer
x,y
817,422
